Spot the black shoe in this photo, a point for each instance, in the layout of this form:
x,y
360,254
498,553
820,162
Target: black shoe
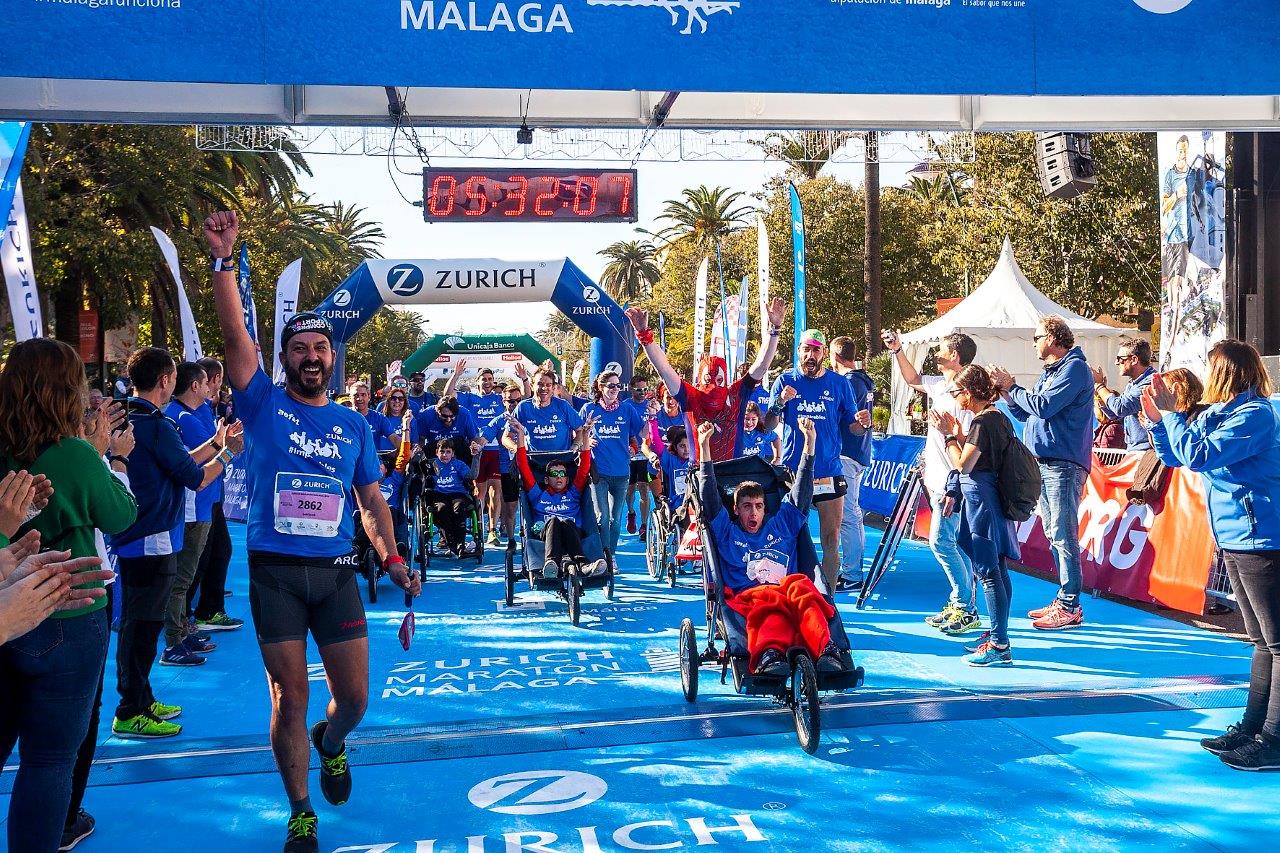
x,y
843,585
773,664
303,834
80,828
1261,753
829,660
335,775
1234,738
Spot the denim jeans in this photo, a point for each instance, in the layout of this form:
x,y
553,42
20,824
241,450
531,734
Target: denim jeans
x,y
998,592
955,565
1255,578
1060,491
48,678
853,535
610,496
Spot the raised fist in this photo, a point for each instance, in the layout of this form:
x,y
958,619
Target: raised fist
x,y
787,394
220,232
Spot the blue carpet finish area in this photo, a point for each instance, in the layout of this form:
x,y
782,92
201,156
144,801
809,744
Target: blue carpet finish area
x,y
506,729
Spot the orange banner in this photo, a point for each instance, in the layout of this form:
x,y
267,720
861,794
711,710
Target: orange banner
x,y
1126,549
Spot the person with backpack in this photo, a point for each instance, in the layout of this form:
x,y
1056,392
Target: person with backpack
x,y
986,534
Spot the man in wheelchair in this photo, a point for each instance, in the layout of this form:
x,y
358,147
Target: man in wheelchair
x,y
556,504
760,568
448,493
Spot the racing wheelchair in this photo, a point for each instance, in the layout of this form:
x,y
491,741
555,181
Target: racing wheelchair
x,y
799,690
367,562
569,586
421,479
662,553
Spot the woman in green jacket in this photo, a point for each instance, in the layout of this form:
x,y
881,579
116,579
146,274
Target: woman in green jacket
x,y
49,675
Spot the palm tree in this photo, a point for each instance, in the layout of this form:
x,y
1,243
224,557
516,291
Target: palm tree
x,y
632,270
805,151
942,191
704,217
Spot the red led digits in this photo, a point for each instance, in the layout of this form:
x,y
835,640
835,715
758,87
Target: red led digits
x,y
478,202
520,193
550,194
586,196
529,195
440,200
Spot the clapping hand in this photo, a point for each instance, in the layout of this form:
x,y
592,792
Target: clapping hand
x,y
235,437
17,494
1099,377
1002,378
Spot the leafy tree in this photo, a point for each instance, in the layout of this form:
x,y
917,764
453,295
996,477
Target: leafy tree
x,y
391,335
631,271
804,151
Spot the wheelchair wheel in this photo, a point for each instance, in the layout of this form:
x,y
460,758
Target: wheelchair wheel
x,y
370,569
655,556
574,597
804,703
690,662
510,576
477,533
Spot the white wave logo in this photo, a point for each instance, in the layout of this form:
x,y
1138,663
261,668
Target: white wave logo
x,y
454,341
537,792
1163,7
696,11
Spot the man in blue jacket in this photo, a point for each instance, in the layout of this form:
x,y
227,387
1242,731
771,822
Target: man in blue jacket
x,y
1134,363
161,469
1059,431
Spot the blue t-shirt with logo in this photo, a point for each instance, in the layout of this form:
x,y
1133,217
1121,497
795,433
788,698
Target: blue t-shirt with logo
x,y
829,401
392,488
483,408
431,428
675,478
758,442
493,432
766,556
196,426
426,401
451,477
858,447
614,432
302,462
549,428
566,504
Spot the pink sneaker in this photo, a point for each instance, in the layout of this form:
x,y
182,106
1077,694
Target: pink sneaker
x,y
1059,618
1041,612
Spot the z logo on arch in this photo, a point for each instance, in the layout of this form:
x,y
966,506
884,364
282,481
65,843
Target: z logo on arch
x,y
405,279
1163,7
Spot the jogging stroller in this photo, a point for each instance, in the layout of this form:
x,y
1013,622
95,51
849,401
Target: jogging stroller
x,y
568,585
799,690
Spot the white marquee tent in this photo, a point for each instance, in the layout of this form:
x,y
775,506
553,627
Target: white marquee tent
x,y
1001,316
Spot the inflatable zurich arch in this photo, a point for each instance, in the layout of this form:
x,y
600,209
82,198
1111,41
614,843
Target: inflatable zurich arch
x,y
378,282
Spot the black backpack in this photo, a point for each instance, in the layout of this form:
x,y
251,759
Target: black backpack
x,y
1018,480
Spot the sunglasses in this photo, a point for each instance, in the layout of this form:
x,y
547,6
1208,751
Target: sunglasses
x,y
612,385
1037,338
956,392
1121,359
558,472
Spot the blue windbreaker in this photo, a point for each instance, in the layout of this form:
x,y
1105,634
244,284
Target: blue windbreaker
x,y
1059,411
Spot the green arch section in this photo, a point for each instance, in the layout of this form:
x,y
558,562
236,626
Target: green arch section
x,y
438,345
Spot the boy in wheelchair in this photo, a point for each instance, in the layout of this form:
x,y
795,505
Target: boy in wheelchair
x,y
556,504
448,493
759,563
672,466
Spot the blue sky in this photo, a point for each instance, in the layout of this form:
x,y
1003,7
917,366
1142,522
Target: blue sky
x,y
365,181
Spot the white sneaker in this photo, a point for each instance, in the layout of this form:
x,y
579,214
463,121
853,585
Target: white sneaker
x,y
550,570
597,567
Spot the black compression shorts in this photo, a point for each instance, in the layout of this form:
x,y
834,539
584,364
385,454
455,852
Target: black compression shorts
x,y
640,472
511,486
290,596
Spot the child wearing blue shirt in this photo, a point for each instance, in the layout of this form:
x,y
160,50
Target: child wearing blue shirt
x,y
756,440
450,497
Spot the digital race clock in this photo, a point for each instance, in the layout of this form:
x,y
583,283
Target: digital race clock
x,y
529,195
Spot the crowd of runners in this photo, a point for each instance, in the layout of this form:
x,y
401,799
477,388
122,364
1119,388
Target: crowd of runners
x,y
138,486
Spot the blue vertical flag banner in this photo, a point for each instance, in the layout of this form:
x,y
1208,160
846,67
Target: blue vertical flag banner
x,y
662,331
13,146
19,271
245,280
797,249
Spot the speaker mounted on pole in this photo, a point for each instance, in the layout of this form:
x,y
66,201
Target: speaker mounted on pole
x,y
1065,164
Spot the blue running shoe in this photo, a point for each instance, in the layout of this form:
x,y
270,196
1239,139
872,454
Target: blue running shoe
x,y
988,655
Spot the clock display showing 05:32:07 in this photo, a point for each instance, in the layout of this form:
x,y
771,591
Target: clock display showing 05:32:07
x,y
529,195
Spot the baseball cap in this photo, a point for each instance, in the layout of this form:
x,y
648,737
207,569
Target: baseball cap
x,y
305,321
813,338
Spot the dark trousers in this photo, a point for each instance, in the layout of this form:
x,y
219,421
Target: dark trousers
x,y
1255,578
562,540
450,513
147,583
89,746
211,576
47,681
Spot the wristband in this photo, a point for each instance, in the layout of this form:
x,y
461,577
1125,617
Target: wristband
x,y
392,560
217,447
224,264
774,331
116,457
645,336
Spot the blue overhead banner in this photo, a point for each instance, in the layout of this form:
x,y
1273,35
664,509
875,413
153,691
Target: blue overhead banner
x,y
798,264
945,47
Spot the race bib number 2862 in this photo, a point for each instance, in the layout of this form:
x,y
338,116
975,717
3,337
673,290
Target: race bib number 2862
x,y
309,504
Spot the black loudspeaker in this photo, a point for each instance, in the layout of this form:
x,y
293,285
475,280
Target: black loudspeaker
x,y
1065,163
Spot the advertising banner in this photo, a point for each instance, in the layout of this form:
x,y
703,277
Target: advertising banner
x,y
19,272
942,47
1193,244
13,147
891,458
286,306
191,348
700,309
797,251
762,274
